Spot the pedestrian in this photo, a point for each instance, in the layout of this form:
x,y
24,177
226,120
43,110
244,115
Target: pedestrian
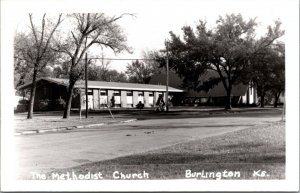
x,y
140,105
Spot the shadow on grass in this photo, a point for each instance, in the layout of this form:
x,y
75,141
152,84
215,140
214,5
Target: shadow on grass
x,y
175,165
188,158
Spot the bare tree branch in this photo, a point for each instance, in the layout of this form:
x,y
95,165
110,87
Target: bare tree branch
x,y
42,30
33,28
51,34
91,28
75,39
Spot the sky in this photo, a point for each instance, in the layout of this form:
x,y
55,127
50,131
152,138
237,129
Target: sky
x,y
154,19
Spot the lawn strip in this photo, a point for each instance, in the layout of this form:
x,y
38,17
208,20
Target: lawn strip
x,y
46,123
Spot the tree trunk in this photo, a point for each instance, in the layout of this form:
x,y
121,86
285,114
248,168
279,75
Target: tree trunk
x,y
69,101
276,99
262,100
228,99
32,95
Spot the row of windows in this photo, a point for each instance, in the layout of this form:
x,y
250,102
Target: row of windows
x,y
194,100
103,92
118,93
140,93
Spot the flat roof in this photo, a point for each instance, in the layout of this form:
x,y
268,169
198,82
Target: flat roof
x,y
107,85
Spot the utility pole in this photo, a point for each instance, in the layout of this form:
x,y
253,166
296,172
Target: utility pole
x,y
102,59
167,82
86,88
80,107
283,109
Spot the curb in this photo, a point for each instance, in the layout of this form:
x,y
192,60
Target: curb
x,y
128,121
70,128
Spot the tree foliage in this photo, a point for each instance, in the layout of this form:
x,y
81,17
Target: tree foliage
x,y
139,72
278,85
150,60
104,73
267,72
225,49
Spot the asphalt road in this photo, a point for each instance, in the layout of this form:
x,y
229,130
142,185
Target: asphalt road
x,y
45,152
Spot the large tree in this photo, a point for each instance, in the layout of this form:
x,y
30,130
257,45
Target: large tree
x,y
278,83
89,29
225,49
260,73
34,52
267,72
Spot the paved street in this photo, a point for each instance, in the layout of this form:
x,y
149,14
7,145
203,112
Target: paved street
x,y
45,152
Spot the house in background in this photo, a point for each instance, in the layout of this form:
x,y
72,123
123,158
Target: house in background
x,y
52,92
241,94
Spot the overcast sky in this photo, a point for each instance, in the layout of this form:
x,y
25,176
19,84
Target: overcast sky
x,y
154,19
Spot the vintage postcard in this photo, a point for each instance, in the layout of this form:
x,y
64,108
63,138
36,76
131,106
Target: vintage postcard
x,y
150,95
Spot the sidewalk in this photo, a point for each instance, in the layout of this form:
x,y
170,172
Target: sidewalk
x,y
52,122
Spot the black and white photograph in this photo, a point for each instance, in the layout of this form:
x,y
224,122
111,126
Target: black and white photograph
x,y
150,95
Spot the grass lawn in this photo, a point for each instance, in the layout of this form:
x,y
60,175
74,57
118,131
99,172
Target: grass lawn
x,y
245,151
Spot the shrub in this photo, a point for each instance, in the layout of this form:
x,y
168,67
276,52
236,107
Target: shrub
x,y
22,108
43,104
59,104
23,102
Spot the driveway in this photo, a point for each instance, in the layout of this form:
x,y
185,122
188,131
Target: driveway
x,y
45,152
